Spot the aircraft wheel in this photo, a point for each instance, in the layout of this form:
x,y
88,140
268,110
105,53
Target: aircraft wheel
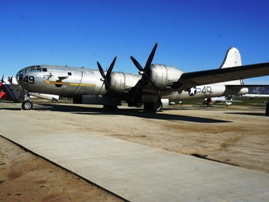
x,y
158,106
153,106
27,105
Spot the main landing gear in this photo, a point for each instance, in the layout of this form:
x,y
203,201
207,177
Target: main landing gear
x,y
153,106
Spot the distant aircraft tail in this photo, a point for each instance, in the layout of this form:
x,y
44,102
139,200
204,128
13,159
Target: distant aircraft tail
x,y
232,59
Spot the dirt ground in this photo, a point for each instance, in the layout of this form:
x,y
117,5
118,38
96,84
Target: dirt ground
x,y
26,177
236,135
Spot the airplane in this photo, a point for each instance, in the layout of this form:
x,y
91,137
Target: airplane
x,y
154,87
221,99
10,90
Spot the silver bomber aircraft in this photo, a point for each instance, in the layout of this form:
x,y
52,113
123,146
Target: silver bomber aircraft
x,y
154,87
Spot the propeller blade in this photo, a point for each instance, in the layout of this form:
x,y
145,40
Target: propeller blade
x,y
2,79
110,68
137,64
148,63
106,77
101,70
150,58
145,71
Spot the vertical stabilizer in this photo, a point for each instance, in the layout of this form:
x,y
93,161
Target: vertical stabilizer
x,y
232,58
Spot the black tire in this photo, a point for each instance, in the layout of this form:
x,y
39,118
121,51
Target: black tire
x,y
27,105
153,106
109,107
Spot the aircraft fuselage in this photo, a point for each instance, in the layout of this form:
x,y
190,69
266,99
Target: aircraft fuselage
x,y
70,81
60,80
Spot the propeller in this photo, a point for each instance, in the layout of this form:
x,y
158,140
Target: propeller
x,y
145,71
10,79
2,79
106,77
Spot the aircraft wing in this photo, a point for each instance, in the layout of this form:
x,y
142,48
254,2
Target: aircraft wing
x,y
221,75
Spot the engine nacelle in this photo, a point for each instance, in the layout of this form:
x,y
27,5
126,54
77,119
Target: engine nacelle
x,y
163,76
121,82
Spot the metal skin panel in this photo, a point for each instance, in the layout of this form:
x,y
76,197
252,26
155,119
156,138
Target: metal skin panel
x,y
121,82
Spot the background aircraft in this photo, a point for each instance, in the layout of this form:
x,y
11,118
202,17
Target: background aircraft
x,y
155,86
228,100
222,99
10,89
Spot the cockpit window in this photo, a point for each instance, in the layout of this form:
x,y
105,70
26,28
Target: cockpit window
x,y
34,69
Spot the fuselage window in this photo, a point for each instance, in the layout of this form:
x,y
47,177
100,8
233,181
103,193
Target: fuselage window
x,y
33,69
38,69
44,69
69,74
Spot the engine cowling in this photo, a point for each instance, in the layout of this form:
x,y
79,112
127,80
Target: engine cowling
x,y
121,82
163,76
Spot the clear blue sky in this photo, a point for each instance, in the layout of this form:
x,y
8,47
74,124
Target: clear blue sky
x,y
192,35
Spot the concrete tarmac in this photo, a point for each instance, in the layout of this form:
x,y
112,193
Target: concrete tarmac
x,y
133,171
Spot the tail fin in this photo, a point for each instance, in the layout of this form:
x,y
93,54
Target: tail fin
x,y
232,58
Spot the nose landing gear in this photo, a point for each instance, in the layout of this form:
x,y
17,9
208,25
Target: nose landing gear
x,y
27,105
